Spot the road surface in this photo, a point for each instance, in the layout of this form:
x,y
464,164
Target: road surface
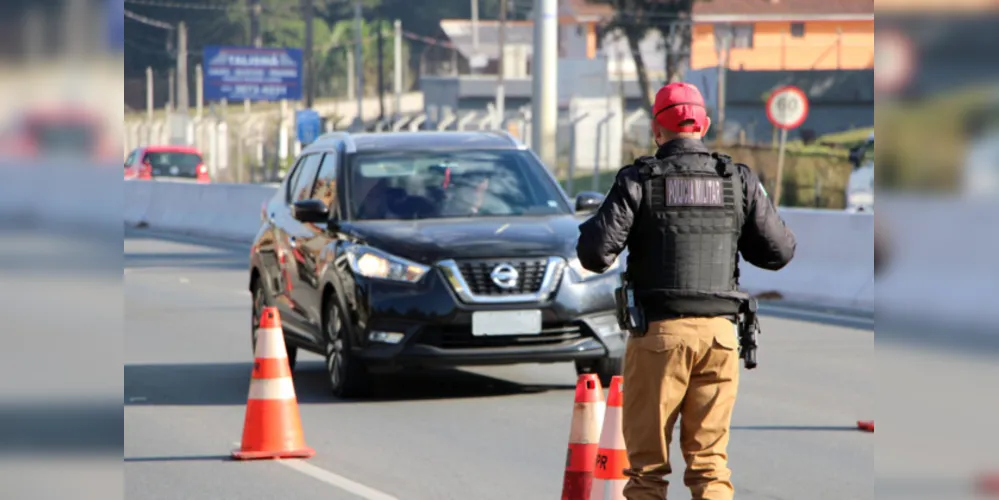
x,y
474,434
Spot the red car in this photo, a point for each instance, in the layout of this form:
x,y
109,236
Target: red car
x,y
62,131
182,163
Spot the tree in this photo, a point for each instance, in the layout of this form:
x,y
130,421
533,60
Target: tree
x,y
635,19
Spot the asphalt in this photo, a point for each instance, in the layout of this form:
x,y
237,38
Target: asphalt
x,y
471,434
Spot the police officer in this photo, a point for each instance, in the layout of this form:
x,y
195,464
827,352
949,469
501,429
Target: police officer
x,y
684,215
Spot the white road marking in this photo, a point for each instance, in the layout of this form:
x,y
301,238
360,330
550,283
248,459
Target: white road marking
x,y
336,480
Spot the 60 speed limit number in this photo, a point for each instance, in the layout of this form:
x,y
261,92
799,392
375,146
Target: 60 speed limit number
x,y
787,107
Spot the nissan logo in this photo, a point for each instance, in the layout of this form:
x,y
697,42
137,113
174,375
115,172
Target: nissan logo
x,y
505,276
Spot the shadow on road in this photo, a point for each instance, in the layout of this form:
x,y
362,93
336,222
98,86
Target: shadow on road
x,y
189,458
208,259
794,428
227,384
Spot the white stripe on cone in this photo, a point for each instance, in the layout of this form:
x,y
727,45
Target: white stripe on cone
x,y
608,490
587,420
611,438
272,388
270,344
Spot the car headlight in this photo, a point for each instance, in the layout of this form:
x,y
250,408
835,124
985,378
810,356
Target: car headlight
x,y
372,263
583,274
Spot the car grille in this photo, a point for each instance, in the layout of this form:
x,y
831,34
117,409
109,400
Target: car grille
x,y
449,337
530,272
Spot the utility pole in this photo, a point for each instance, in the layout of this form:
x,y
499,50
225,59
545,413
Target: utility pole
x,y
307,12
359,62
381,74
256,38
500,85
397,70
724,42
150,102
182,93
545,81
475,30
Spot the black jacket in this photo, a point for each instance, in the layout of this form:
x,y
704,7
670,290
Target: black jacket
x,y
765,242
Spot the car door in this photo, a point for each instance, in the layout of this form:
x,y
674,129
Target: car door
x,y
307,293
273,254
292,233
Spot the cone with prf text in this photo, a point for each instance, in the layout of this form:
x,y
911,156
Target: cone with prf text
x,y
273,427
612,458
584,436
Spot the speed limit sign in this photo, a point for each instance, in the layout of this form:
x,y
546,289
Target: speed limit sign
x,y
787,107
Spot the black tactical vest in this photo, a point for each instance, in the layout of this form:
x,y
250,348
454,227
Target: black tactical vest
x,y
683,251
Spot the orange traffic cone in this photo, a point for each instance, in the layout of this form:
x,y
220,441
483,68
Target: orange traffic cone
x,y
866,425
612,459
273,428
587,419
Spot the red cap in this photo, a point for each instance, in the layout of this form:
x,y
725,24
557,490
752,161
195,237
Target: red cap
x,y
678,102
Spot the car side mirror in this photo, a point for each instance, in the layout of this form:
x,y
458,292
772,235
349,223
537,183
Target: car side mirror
x,y
588,201
314,211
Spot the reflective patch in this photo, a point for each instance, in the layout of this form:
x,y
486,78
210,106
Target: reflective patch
x,y
684,191
764,190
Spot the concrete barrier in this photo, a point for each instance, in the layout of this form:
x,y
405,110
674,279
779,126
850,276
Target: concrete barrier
x,y
833,264
227,211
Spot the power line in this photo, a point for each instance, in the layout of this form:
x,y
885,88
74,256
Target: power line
x,y
145,20
178,5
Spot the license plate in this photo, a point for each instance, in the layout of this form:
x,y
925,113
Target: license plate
x,y
506,323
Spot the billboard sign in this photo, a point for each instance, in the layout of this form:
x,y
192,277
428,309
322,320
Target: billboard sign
x,y
241,73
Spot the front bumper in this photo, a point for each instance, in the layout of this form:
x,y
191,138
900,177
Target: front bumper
x,y
429,325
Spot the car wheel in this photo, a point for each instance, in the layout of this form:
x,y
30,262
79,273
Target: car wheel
x,y
259,303
348,377
603,368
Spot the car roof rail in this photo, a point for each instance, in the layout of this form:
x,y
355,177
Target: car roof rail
x,y
513,140
342,135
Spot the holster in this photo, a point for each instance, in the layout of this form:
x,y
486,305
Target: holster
x,y
630,315
749,328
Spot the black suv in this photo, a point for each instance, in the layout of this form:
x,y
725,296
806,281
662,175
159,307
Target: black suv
x,y
392,250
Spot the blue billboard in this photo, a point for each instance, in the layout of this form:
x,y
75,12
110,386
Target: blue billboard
x,y
241,73
116,26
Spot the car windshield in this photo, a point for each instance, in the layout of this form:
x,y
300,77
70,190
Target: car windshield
x,y
427,185
174,164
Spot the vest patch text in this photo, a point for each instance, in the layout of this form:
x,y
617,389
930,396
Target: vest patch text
x,y
686,192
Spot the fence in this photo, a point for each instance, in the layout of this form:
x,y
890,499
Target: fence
x,y
592,143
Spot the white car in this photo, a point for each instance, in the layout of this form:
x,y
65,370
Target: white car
x,y
860,187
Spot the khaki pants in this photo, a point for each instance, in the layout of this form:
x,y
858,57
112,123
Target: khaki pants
x,y
685,368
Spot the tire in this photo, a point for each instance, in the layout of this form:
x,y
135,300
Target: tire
x,y
347,375
259,302
603,368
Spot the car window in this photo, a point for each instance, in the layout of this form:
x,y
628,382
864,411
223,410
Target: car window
x,y
301,188
325,187
131,158
435,184
174,164
292,178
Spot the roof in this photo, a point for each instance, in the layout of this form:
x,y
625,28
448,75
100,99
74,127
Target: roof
x,y
783,8
460,33
714,10
423,140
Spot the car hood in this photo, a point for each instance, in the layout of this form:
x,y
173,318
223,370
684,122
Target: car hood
x,y
431,240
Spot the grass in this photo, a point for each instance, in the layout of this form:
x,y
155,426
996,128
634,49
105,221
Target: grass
x,y
815,175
